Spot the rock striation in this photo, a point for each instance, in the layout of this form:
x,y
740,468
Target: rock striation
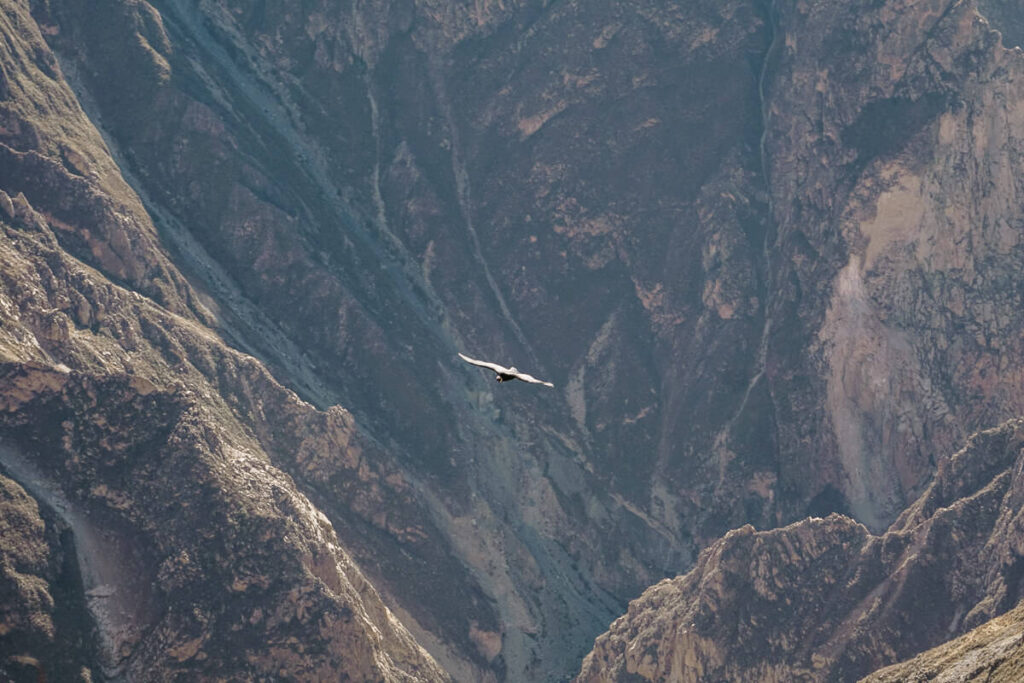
x,y
824,599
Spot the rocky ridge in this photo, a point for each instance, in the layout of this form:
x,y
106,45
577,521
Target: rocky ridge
x,y
110,430
109,417
824,599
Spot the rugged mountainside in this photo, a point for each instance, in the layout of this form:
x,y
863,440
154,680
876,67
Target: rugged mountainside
x,y
992,652
302,188
41,608
824,599
144,436
141,432
904,197
769,253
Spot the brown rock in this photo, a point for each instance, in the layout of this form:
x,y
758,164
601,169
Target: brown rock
x,y
44,628
992,652
823,599
893,324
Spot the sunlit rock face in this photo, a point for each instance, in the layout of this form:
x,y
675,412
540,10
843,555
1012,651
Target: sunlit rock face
x,y
767,252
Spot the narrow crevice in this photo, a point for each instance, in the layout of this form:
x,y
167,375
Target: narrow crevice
x,y
770,232
463,193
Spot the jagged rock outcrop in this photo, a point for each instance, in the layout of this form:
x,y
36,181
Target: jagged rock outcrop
x,y
824,599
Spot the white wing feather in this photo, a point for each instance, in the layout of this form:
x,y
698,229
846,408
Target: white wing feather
x,y
485,364
532,380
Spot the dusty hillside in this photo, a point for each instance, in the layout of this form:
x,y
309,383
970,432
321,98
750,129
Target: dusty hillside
x,y
769,254
992,652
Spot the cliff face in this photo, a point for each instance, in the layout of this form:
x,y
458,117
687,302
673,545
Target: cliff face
x,y
902,202
140,431
823,599
891,144
197,557
768,253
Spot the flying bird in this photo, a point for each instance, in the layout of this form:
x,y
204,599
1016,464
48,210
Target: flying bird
x,y
503,374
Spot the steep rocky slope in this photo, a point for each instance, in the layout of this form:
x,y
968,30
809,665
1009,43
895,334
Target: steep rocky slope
x,y
992,652
338,217
825,600
198,556
137,427
43,622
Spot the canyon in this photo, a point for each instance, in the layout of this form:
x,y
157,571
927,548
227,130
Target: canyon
x,y
769,253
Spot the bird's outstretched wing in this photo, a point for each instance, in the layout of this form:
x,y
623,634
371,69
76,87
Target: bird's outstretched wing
x,y
485,364
531,379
